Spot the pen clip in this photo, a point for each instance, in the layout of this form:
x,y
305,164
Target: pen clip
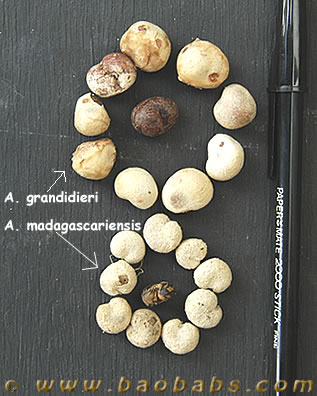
x,y
272,160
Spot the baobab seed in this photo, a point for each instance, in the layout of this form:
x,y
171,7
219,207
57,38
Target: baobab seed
x,y
112,76
154,116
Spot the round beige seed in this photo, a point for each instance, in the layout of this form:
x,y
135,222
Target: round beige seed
x,y
129,246
118,278
114,316
94,159
186,190
225,157
161,233
137,186
91,117
179,337
202,310
236,108
147,45
145,328
214,274
190,253
202,64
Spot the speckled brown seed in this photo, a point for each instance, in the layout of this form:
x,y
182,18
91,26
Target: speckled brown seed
x,y
145,328
112,76
154,116
147,45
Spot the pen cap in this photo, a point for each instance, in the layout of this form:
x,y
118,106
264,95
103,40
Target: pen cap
x,y
288,57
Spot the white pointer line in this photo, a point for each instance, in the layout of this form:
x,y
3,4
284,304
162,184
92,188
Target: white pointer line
x,y
62,173
95,263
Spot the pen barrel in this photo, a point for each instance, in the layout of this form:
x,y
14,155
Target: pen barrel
x,y
287,237
287,63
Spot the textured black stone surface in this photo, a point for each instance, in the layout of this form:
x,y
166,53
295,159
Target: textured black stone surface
x,y
47,305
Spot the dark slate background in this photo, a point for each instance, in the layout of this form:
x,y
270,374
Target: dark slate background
x,y
47,305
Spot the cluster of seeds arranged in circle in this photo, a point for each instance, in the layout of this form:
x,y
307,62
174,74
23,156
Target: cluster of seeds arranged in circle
x,y
143,326
202,65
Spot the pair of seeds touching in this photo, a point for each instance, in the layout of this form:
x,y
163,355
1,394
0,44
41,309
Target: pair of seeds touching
x,y
143,45
188,189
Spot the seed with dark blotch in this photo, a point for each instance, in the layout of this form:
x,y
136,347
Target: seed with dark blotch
x,y
123,279
112,76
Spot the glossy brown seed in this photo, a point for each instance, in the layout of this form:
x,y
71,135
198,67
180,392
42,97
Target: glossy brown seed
x,y
154,116
112,76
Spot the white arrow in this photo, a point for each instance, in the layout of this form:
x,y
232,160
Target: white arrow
x,y
62,173
95,263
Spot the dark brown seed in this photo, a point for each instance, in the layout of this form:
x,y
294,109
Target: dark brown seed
x,y
157,294
112,76
154,116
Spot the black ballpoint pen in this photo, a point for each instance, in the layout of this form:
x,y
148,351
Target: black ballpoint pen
x,y
285,168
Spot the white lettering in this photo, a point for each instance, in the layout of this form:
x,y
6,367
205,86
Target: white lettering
x,y
9,197
63,197
9,226
278,264
64,228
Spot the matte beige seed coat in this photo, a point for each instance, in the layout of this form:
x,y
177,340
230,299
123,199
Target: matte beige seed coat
x,y
147,45
94,159
180,338
129,246
236,107
202,309
225,157
190,253
91,117
186,190
114,316
202,65
145,328
214,274
161,233
118,278
137,186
